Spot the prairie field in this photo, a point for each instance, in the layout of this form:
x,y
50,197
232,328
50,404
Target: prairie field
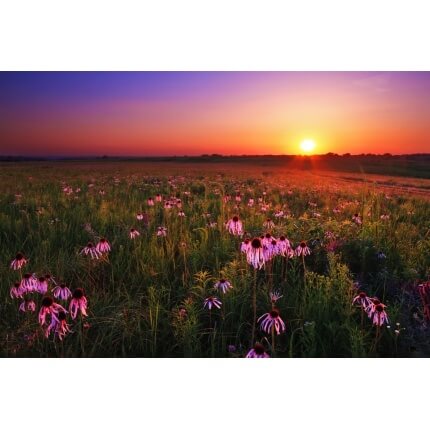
x,y
229,260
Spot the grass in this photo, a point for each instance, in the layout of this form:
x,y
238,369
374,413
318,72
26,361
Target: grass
x,y
146,297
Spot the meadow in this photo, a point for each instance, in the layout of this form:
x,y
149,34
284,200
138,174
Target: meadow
x,y
141,259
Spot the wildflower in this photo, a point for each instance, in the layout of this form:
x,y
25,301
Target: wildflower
x,y
385,217
49,307
158,198
17,291
162,232
61,292
212,302
284,247
302,249
42,285
235,226
78,303
29,282
181,214
257,352
356,218
103,246
272,319
223,285
363,300
27,305
251,203
270,250
268,224
381,256
59,326
133,233
150,202
238,197
244,246
91,250
275,296
255,255
18,262
380,317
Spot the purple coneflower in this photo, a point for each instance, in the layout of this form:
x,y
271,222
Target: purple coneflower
x,y
302,249
268,224
235,226
61,292
59,326
275,296
133,233
284,247
356,218
29,282
103,246
257,352
150,202
380,317
27,305
255,255
42,285
17,291
212,302
161,231
223,285
18,262
363,300
158,198
78,303
49,307
91,250
272,319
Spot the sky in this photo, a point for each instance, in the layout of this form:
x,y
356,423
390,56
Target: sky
x,y
231,113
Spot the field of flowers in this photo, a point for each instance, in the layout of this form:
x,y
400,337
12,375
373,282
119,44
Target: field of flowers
x,y
167,260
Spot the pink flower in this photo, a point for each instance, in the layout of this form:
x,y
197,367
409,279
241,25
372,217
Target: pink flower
x,y
158,198
269,224
133,233
42,285
91,250
103,246
363,300
356,218
17,291
150,202
275,296
255,255
78,303
235,226
244,246
223,285
284,247
49,307
18,262
212,302
380,317
29,282
272,319
27,305
61,292
257,352
270,250
302,249
161,231
59,326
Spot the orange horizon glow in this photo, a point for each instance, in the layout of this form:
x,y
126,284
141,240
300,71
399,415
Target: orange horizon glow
x,y
229,113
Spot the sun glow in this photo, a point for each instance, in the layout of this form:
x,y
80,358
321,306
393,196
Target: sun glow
x,y
307,145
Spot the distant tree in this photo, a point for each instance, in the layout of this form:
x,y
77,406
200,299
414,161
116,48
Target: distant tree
x,y
348,154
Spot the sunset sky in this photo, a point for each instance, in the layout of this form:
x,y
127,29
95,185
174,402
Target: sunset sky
x,y
192,113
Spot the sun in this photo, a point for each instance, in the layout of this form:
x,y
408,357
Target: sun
x,y
307,145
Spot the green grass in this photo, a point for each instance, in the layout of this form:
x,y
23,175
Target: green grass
x,y
135,296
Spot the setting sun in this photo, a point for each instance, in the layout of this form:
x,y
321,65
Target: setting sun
x,y
307,145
